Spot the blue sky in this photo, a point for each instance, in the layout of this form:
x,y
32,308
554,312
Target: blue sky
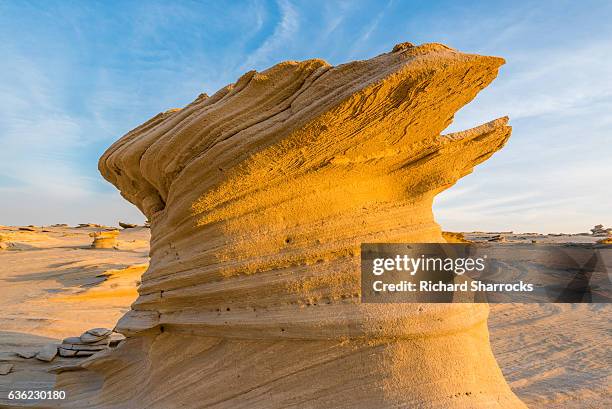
x,y
77,75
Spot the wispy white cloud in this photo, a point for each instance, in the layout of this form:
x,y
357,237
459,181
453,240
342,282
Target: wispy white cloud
x,y
374,24
35,133
370,28
280,39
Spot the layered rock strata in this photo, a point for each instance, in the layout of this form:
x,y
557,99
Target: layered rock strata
x,y
259,198
90,342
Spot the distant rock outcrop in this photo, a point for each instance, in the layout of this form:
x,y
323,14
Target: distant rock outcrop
x,y
106,239
5,242
500,238
83,225
259,198
453,237
600,231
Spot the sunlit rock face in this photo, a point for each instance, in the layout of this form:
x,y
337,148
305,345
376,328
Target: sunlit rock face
x,y
104,239
259,198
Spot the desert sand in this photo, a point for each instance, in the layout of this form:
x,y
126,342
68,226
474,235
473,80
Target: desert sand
x,y
259,198
552,355
54,285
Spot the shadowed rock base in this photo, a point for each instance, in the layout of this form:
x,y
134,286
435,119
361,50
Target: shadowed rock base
x,y
259,198
174,371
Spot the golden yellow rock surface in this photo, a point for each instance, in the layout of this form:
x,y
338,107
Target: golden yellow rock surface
x,y
259,198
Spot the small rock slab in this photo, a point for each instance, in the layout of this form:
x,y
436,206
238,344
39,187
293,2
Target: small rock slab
x,y
89,225
84,347
99,332
115,339
66,352
77,341
5,369
26,354
47,353
88,338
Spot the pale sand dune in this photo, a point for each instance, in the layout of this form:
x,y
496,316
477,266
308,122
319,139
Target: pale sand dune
x,y
553,355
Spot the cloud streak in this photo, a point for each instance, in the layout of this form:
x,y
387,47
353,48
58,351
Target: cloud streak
x,y
286,28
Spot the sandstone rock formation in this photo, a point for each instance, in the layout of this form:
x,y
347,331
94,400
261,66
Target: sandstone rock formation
x,y
454,237
259,198
104,239
90,342
500,238
84,225
600,231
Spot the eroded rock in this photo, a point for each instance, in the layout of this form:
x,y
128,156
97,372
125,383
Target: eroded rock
x,y
83,225
498,238
600,231
47,353
88,338
85,347
115,338
99,332
5,369
453,237
26,354
106,239
90,342
259,198
66,352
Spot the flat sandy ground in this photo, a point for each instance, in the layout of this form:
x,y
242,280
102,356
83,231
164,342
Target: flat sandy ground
x,y
53,285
